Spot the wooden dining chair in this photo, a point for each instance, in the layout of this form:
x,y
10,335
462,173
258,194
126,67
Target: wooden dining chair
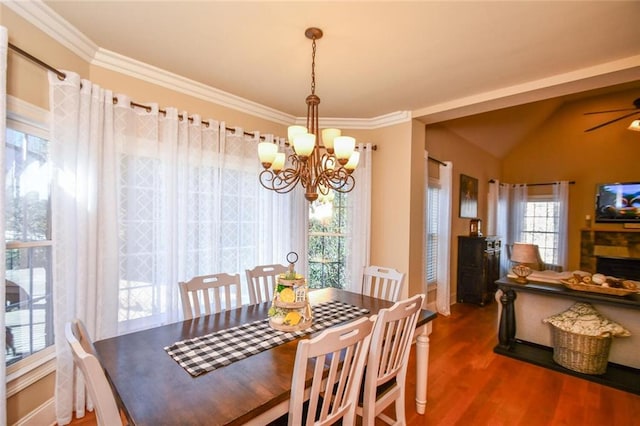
x,y
84,356
261,282
337,358
382,283
386,372
209,294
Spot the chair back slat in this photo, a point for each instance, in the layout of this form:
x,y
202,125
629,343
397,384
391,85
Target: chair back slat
x,y
261,282
209,294
382,283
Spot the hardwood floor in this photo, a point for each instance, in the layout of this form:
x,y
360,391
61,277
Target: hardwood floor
x,y
468,384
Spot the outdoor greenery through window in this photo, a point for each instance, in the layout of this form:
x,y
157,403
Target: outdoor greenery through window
x,y
540,228
327,242
29,305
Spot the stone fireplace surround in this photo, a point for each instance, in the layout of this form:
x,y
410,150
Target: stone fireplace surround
x,y
611,251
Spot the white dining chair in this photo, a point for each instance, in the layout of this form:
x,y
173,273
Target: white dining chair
x,y
261,282
382,283
386,372
337,358
209,294
84,355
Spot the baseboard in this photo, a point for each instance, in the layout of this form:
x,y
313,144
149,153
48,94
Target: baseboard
x,y
45,414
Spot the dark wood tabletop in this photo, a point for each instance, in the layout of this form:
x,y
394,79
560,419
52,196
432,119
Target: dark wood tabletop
x,y
155,390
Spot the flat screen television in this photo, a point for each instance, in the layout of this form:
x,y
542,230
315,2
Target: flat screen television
x,y
618,202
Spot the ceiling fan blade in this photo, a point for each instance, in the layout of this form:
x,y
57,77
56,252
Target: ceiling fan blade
x,y
612,121
610,110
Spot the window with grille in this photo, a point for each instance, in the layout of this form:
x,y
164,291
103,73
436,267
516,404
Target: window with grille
x,y
431,233
28,244
328,242
540,227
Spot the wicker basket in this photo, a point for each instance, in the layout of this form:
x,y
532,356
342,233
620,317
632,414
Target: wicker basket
x,y
577,352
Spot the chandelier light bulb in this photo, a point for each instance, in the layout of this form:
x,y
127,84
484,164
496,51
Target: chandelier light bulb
x,y
344,146
278,162
293,131
328,136
267,153
303,144
353,162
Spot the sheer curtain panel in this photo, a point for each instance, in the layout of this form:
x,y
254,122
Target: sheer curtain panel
x,y
359,219
561,197
3,132
443,297
144,199
81,127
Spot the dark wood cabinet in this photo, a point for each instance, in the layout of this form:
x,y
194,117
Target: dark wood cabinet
x,y
478,269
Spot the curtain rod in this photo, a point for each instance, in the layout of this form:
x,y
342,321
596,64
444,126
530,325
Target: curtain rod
x,y
572,182
435,160
63,76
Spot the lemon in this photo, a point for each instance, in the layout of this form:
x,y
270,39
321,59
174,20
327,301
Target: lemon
x,y
292,318
287,295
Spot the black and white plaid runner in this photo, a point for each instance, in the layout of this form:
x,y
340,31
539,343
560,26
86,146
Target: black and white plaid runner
x,y
207,353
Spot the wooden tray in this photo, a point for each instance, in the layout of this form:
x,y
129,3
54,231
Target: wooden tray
x,y
594,288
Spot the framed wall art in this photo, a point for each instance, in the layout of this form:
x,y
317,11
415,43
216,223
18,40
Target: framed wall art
x,y
468,197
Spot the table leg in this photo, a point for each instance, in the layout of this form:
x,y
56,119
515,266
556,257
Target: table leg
x,y
507,331
422,366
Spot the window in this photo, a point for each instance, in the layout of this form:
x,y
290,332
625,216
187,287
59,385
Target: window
x,y
29,304
540,227
431,232
328,242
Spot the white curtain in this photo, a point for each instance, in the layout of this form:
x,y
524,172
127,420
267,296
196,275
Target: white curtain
x,y
517,210
143,199
359,219
3,134
561,197
81,120
502,223
443,297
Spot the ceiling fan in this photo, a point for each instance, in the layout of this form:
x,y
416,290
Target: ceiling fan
x,y
635,109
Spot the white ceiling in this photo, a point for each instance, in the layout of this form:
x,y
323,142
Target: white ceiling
x,y
438,60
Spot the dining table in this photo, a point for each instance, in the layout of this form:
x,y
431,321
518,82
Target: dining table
x,y
152,388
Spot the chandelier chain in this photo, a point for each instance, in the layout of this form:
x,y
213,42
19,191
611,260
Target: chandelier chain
x,y
313,67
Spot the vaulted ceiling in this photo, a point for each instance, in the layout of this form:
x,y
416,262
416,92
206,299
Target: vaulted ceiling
x,y
439,60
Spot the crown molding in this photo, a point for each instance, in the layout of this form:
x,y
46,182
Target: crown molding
x,y
363,123
124,65
44,18
52,24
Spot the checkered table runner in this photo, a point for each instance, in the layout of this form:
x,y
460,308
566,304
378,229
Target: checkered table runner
x,y
207,353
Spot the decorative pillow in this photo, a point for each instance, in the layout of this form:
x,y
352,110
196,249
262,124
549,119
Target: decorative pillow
x,y
582,318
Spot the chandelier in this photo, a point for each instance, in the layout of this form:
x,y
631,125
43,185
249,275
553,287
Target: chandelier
x,y
318,164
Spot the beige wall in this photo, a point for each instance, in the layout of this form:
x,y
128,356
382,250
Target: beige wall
x,y
561,150
390,194
24,79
